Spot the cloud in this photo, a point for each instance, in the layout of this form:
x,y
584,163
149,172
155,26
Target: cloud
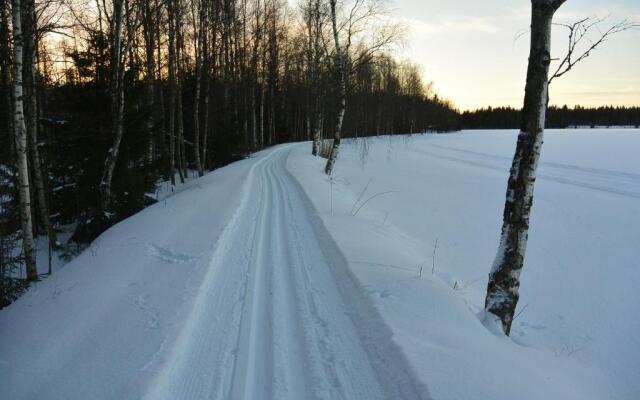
x,y
451,24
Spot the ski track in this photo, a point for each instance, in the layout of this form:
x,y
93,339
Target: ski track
x,y
603,180
278,316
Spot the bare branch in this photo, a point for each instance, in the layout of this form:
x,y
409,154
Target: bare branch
x,y
579,33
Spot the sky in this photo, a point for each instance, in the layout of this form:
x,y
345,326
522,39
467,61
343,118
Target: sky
x,y
475,52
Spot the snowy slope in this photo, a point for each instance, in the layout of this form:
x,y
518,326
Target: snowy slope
x,y
259,282
577,336
97,327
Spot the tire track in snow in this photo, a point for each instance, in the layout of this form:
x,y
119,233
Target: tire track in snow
x,y
271,320
602,180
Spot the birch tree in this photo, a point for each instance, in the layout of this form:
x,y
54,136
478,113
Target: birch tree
x,y
504,279
314,21
22,157
360,30
342,91
117,103
31,114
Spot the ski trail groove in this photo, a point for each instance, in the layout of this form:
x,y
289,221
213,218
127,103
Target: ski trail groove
x,y
275,319
603,180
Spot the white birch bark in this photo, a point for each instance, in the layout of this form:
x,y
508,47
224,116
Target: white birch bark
x,y
315,33
20,134
30,58
504,279
342,83
117,105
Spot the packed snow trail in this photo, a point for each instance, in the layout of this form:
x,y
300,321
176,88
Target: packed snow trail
x,y
278,316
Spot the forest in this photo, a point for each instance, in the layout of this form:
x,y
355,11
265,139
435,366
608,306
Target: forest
x,y
118,95
557,117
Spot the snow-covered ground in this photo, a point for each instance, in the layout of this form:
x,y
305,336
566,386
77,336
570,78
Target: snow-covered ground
x,y
267,280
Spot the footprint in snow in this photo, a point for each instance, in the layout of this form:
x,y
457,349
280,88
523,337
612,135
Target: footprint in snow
x,y
169,256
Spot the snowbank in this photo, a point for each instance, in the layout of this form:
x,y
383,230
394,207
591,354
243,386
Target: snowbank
x,y
98,327
576,337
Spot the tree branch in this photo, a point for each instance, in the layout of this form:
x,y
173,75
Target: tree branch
x,y
579,33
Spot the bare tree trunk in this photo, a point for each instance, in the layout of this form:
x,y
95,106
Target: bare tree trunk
x,y
6,80
504,280
22,157
172,90
254,128
205,117
254,77
315,67
150,123
199,47
261,123
341,61
160,129
29,71
117,105
182,167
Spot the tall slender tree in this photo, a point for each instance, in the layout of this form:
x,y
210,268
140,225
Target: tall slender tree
x,y
504,279
117,103
31,111
200,53
341,66
172,83
22,156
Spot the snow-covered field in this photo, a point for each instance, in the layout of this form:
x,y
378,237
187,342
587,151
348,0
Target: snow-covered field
x,y
267,280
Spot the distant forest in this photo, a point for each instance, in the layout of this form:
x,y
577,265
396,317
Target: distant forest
x,y
557,117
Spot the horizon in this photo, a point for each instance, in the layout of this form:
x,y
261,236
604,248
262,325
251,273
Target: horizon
x,y
501,45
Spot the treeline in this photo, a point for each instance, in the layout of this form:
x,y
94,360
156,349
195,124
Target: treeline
x,y
557,117
100,100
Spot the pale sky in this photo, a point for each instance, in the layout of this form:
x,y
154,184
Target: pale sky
x,y
470,50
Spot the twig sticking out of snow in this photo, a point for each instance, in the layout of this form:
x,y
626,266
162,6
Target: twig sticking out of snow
x,y
361,194
371,198
433,257
521,310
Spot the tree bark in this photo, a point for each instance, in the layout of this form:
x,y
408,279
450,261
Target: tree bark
x,y
29,73
117,105
20,135
315,81
182,165
172,91
504,279
5,62
342,84
207,62
199,50
150,82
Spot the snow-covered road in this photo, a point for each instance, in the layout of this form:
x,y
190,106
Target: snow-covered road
x,y
279,316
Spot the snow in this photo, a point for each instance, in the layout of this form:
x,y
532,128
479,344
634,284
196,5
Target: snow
x,y
576,338
267,280
98,327
165,188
